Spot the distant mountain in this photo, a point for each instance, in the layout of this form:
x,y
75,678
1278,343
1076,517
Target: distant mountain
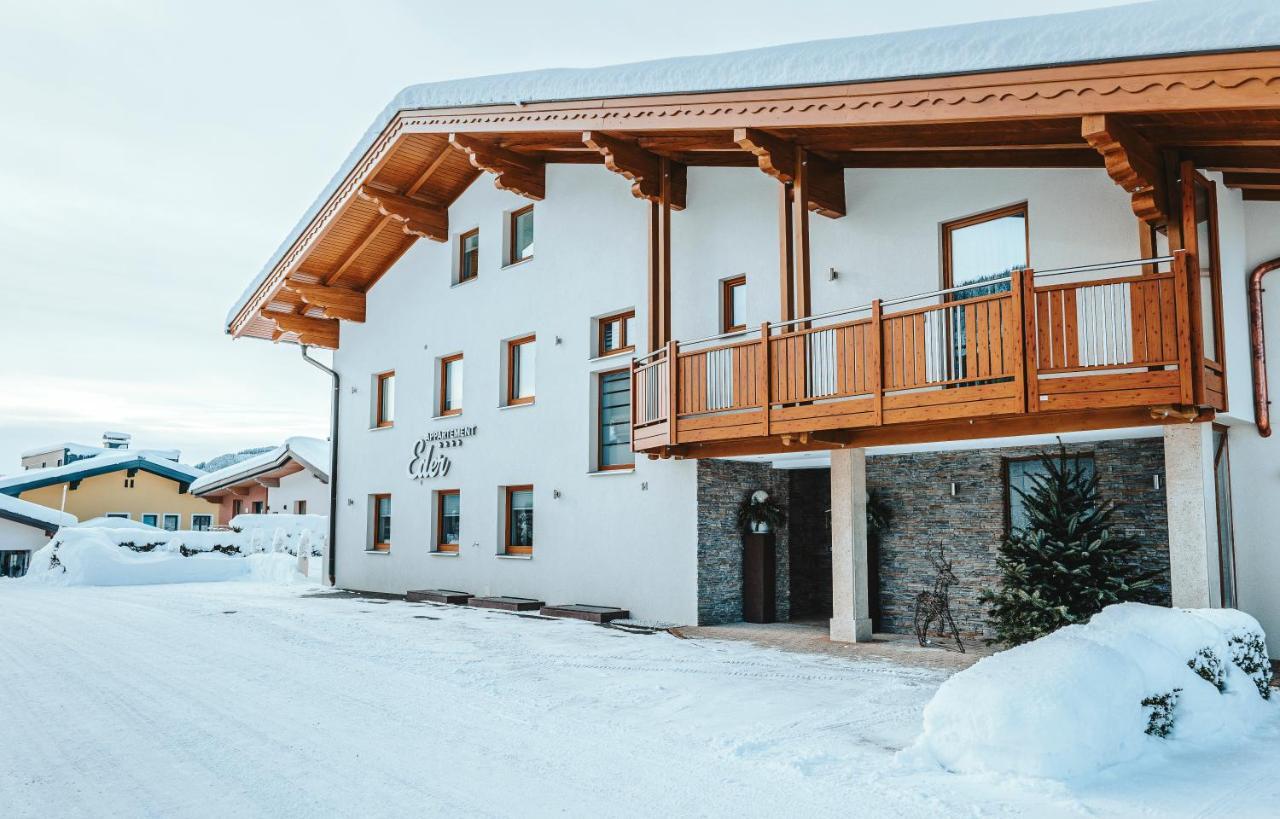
x,y
229,458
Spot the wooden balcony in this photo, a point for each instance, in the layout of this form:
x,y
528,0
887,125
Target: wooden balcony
x,y
1033,353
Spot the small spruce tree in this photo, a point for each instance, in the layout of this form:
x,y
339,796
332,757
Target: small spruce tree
x,y
1065,565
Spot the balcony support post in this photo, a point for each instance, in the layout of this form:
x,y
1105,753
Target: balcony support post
x,y
673,396
874,362
764,380
1188,326
786,258
659,318
800,244
850,586
1029,342
1193,515
1018,291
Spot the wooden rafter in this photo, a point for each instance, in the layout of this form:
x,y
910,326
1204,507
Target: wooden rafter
x,y
1132,162
1241,159
643,168
513,172
320,332
1262,181
781,159
335,302
417,218
445,152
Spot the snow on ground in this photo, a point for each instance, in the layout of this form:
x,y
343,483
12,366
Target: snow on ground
x,y
244,699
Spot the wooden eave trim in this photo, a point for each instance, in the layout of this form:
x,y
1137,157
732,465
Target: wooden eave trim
x,y
1246,79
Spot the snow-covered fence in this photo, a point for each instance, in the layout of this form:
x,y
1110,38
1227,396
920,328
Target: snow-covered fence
x,y
1089,696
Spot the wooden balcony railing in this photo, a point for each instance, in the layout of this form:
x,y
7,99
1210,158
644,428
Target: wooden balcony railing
x,y
1026,343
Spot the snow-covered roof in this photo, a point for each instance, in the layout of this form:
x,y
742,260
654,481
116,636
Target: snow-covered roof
x,y
115,523
124,459
90,451
1140,30
33,514
311,453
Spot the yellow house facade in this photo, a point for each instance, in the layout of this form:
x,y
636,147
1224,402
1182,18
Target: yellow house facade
x,y
151,491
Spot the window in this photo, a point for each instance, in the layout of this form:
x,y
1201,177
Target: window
x,y
258,507
520,229
201,523
121,515
519,528
451,385
469,255
14,563
1226,529
151,519
128,483
1201,238
1019,479
984,247
385,399
733,304
172,522
237,506
520,371
615,334
448,520
381,523
614,423
299,507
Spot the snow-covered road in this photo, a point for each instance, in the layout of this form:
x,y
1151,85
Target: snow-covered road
x,y
240,699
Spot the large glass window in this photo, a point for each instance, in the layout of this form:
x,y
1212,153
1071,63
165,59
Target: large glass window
x,y
519,534
448,520
469,255
1226,528
614,426
521,231
520,370
733,304
385,399
381,523
983,247
451,385
1020,479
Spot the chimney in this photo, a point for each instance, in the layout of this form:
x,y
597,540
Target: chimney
x,y
116,440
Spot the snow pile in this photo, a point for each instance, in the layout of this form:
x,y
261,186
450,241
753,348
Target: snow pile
x,y
1093,695
137,555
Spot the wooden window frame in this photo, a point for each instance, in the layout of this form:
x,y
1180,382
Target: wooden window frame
x,y
512,346
511,235
626,346
376,546
1007,491
441,546
1191,240
727,287
380,379
508,547
976,219
600,464
444,386
462,256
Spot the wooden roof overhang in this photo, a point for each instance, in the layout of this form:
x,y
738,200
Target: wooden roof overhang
x,y
1130,117
242,485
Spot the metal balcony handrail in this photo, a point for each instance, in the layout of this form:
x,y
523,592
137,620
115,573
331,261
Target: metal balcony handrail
x,y
1060,271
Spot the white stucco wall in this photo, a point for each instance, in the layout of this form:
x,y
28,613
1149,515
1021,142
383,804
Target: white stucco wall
x,y
299,486
608,539
18,537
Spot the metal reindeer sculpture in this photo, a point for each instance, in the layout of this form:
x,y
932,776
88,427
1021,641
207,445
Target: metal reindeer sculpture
x,y
935,605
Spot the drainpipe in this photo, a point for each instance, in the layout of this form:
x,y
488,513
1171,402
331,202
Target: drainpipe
x,y
1258,347
333,462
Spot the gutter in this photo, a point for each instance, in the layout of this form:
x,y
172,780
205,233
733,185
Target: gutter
x,y
1258,347
333,462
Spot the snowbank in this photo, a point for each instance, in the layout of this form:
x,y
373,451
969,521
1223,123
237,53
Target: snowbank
x,y
1109,691
268,550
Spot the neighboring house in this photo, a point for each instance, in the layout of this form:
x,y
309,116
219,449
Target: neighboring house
x,y
24,528
61,454
125,484
758,270
292,478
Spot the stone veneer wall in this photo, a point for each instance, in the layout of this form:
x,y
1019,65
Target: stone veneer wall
x,y
916,487
721,487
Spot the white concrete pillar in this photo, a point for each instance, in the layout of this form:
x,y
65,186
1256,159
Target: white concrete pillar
x,y
850,593
1193,516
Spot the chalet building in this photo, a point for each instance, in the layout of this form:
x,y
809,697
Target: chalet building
x,y
25,527
292,478
126,484
67,452
904,263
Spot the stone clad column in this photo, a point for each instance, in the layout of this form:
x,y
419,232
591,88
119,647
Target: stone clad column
x,y
850,593
1193,515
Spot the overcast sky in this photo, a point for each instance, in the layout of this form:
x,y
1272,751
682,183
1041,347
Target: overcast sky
x,y
153,154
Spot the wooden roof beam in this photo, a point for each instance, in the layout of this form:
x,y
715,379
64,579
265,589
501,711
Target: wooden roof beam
x,y
640,166
1132,162
314,331
1241,160
780,159
335,302
520,174
417,218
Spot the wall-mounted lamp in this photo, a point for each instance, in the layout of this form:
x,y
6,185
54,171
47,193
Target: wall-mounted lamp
x,y
835,274
354,390
644,486
1155,481
954,489
559,341
555,493
351,502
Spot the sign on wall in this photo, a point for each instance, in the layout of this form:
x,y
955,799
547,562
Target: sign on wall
x,y
429,460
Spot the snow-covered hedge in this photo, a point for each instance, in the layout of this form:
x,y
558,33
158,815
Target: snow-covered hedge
x,y
1092,695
